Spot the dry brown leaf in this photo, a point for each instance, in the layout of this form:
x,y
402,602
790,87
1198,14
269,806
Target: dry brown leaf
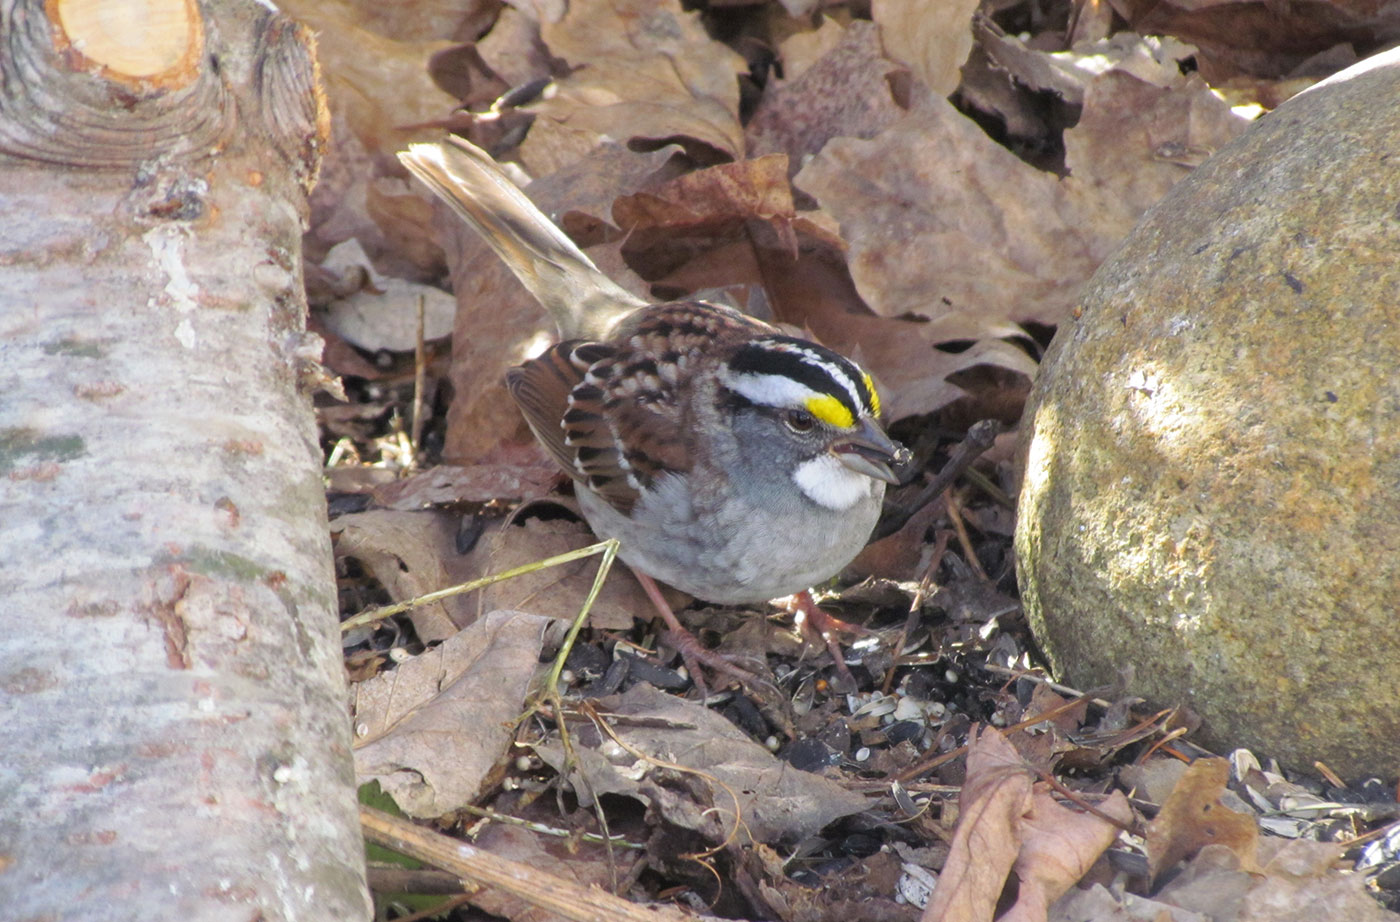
x,y
391,221
1153,780
543,10
730,264
513,48
844,93
1194,817
446,485
1238,36
1091,22
431,730
1032,69
1042,745
1058,848
556,592
775,801
585,190
1097,904
382,311
553,145
920,384
819,229
379,85
933,37
994,799
339,358
419,20
1044,700
900,554
1212,882
1294,880
988,88
940,218
1154,60
609,259
498,325
642,69
714,201
1157,60
1302,883
461,71
1008,80
755,188
402,243
1135,140
805,47
409,554
1300,857
1005,823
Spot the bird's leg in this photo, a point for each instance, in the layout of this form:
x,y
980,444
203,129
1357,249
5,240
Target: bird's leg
x,y
688,645
818,626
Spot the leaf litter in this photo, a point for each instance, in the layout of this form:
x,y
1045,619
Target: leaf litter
x,y
922,185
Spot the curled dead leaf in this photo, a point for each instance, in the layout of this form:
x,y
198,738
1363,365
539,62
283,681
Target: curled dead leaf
x,y
1006,823
643,69
994,799
845,92
1194,817
431,730
933,37
711,201
697,770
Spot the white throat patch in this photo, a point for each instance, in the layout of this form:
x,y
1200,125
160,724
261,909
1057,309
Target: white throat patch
x,y
828,482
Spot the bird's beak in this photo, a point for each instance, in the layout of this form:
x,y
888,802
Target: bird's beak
x,y
870,452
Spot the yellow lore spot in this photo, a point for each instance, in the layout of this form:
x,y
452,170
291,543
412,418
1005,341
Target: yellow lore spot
x,y
830,411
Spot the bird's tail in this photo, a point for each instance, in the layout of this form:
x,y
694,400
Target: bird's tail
x,y
583,301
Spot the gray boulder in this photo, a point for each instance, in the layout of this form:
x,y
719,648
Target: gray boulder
x,y
1211,453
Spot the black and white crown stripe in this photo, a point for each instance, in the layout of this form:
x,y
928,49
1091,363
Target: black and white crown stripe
x,y
784,371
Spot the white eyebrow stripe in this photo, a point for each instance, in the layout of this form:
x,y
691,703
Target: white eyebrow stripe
x,y
769,390
837,371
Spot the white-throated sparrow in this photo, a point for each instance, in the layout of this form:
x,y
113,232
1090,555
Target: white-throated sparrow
x,y
731,461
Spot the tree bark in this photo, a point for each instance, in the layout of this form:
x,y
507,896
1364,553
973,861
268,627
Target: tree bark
x,y
173,737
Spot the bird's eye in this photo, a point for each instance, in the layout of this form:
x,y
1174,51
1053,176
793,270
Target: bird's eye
x,y
799,420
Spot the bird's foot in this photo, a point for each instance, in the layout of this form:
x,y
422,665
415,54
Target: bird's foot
x,y
821,628
693,654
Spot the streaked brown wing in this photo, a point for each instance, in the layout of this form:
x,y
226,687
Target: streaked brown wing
x,y
624,426
613,416
565,397
541,387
